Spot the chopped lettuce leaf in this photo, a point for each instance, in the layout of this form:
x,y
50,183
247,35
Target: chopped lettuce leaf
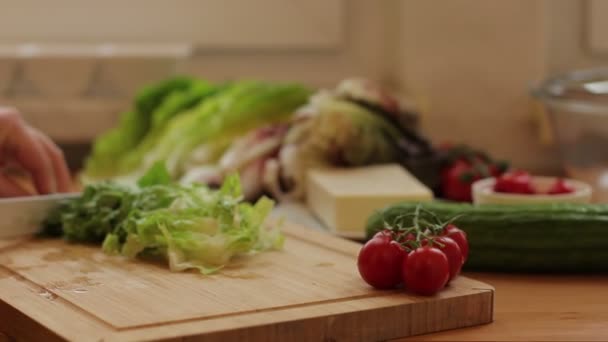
x,y
191,226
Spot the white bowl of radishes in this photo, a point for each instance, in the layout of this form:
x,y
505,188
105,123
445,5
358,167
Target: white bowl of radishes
x,y
518,187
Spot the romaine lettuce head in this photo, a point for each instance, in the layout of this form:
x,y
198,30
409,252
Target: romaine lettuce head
x,y
222,118
211,125
154,107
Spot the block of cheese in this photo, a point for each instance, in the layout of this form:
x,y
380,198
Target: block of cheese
x,y
343,199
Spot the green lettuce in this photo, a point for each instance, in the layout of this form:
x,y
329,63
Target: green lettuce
x,y
190,226
154,107
229,111
353,135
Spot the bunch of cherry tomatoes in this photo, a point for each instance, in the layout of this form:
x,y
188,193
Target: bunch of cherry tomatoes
x,y
423,258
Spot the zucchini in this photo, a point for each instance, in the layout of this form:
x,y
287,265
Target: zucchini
x,y
564,237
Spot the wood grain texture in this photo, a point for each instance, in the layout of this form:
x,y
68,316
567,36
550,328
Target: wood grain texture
x,y
308,291
540,308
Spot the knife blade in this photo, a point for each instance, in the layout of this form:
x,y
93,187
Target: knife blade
x,y
24,215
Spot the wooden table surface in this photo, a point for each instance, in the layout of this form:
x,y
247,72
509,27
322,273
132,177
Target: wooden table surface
x,y
539,308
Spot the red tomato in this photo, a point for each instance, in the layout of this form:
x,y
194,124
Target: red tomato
x,y
384,233
494,171
456,181
517,182
380,261
446,146
560,187
406,237
452,252
497,169
460,237
426,270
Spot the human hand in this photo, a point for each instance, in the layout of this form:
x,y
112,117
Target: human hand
x,y
29,151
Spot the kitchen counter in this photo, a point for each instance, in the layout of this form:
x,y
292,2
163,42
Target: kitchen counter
x,y
528,307
539,308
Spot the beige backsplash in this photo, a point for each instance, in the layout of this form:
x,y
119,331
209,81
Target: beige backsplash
x,y
468,64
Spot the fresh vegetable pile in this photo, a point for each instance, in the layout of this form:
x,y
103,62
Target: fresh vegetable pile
x,y
190,226
185,120
415,250
353,125
270,134
559,237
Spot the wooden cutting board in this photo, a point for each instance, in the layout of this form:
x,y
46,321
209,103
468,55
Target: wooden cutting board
x,y
310,291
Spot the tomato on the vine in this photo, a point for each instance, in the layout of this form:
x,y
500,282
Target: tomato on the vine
x,y
451,250
461,166
460,237
426,270
406,237
384,233
456,181
424,257
380,261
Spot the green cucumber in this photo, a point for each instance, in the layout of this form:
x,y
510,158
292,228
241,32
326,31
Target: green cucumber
x,y
560,237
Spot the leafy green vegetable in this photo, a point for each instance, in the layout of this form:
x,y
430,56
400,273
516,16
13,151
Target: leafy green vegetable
x,y
154,107
336,132
191,226
157,175
184,121
359,136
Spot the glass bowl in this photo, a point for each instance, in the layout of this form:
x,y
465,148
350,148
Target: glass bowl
x,y
577,106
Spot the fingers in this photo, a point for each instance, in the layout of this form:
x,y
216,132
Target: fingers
x,y
30,153
9,118
60,168
35,152
20,142
8,111
10,188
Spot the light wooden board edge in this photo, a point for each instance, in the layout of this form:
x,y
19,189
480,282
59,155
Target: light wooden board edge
x,y
334,321
335,316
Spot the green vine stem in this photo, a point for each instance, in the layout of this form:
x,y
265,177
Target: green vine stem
x,y
424,229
